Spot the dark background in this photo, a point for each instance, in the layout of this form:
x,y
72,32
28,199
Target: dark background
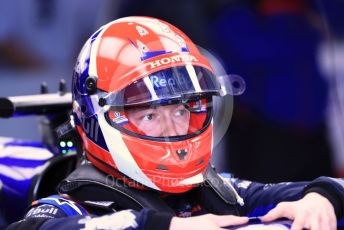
x,y
289,123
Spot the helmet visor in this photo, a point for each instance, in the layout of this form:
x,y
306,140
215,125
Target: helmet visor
x,y
177,82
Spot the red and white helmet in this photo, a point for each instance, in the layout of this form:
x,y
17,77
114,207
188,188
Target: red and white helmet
x,y
140,62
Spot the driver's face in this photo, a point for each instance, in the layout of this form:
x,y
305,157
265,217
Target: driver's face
x,y
161,121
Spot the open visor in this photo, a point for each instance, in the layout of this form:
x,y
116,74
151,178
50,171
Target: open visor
x,y
176,121
177,82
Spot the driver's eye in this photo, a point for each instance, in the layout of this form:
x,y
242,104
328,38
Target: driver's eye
x,y
180,112
148,117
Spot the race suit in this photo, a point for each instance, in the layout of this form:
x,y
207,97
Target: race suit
x,y
87,204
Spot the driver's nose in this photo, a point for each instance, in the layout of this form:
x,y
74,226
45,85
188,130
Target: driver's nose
x,y
169,128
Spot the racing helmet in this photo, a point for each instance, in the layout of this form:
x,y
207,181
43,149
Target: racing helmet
x,y
134,77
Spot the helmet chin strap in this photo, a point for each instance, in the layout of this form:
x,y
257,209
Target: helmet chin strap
x,y
223,188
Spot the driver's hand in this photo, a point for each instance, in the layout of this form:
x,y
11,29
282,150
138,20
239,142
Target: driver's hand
x,y
313,212
207,221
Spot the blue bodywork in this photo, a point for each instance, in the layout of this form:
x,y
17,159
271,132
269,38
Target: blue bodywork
x,y
20,162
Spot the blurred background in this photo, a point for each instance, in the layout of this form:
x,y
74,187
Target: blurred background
x,y
289,123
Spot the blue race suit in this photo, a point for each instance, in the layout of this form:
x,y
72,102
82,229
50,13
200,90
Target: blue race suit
x,y
87,200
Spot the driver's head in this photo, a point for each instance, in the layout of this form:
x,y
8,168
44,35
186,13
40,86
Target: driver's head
x,y
142,103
